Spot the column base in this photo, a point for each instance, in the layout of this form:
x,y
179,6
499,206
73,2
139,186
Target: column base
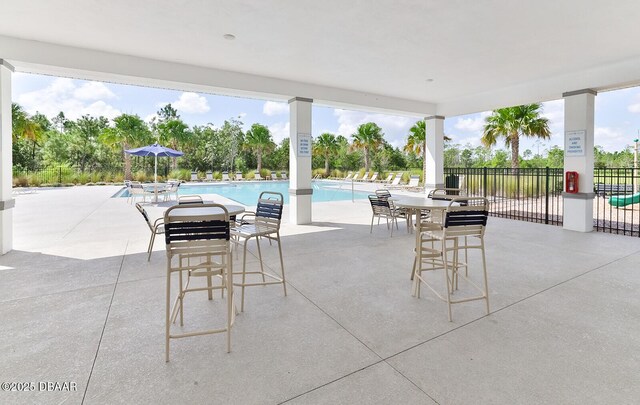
x,y
6,230
299,208
578,214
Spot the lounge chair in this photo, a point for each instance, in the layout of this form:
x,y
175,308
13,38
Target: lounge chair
x,y
365,177
225,176
388,179
239,176
274,176
374,178
194,176
283,176
355,177
257,176
396,182
413,184
348,176
209,176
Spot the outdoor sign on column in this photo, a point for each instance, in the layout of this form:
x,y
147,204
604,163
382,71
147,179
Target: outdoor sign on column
x,y
304,145
574,141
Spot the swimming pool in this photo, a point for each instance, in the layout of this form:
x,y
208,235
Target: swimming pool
x,y
248,193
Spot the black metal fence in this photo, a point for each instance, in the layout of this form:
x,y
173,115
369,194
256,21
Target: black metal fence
x,y
535,195
66,175
617,203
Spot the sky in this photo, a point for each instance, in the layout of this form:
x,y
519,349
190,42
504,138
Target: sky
x,y
617,117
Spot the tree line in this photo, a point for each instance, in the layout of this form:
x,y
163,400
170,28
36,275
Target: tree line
x,y
97,143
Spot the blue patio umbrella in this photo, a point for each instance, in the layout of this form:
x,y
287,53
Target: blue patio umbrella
x,y
155,150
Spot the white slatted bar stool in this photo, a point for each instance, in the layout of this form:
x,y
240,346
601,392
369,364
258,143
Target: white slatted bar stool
x,y
266,224
198,243
438,248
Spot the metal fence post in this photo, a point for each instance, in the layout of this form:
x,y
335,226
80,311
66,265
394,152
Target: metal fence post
x,y
546,195
484,182
59,174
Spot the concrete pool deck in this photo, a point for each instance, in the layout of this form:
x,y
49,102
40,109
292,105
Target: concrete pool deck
x,y
80,303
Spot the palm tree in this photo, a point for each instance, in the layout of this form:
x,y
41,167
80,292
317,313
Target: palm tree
x,y
326,145
129,130
259,140
512,123
416,142
171,130
368,137
25,127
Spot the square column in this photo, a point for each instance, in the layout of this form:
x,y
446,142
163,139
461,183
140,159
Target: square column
x,y
579,111
6,159
300,160
434,153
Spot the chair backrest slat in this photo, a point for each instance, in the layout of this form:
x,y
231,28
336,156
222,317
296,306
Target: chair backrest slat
x,y
189,231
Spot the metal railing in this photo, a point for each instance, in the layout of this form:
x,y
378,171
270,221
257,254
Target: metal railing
x,y
535,195
616,205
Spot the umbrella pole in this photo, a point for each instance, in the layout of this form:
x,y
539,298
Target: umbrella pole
x,y
155,180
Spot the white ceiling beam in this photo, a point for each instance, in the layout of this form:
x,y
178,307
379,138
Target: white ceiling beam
x,y
52,59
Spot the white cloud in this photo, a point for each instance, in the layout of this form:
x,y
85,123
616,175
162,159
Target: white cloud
x,y
150,118
396,129
242,115
611,139
65,95
635,107
473,123
279,130
190,103
93,91
271,108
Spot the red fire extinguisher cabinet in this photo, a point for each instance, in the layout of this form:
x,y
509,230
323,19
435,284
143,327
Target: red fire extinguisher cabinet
x,y
571,182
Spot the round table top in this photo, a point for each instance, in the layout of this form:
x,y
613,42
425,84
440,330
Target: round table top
x,y
419,202
195,209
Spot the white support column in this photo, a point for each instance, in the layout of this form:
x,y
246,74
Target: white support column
x,y
300,160
6,159
434,153
579,111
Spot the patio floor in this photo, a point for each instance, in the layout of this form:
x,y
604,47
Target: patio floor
x,y
80,303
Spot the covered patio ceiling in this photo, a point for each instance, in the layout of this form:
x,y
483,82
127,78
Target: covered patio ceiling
x,y
409,57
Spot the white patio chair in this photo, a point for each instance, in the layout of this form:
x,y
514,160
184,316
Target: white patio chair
x,y
355,176
274,176
266,224
225,176
365,177
283,176
439,246
239,176
136,190
157,228
381,208
374,178
171,189
194,176
257,176
209,176
190,200
198,244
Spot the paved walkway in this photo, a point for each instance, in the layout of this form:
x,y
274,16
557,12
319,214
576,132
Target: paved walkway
x,y
80,303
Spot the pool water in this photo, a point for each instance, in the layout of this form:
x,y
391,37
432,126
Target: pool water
x,y
248,193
